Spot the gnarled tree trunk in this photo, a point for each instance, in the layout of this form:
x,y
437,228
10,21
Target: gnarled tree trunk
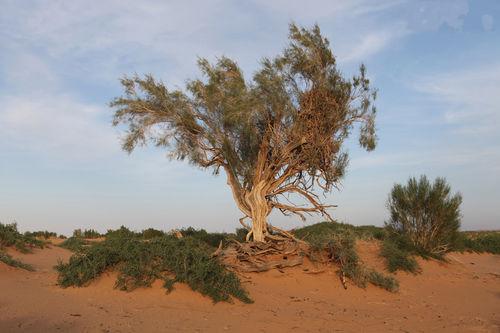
x,y
259,210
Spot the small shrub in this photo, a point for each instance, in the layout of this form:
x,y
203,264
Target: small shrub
x,y
87,233
339,240
211,238
425,213
74,244
322,228
7,259
383,281
139,263
151,233
122,232
398,258
42,234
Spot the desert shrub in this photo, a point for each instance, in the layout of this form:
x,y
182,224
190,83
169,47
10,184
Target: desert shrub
x,y
152,233
139,263
240,234
327,228
87,233
122,232
10,236
397,257
339,241
7,259
484,241
42,234
74,244
61,236
426,213
211,238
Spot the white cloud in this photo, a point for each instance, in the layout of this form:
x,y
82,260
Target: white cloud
x,y
58,126
470,96
371,43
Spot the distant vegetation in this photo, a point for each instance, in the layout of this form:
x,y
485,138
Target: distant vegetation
x,y
11,237
41,234
87,233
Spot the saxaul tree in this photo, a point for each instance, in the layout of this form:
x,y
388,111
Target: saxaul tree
x,y
277,137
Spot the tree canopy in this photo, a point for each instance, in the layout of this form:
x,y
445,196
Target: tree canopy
x,y
279,133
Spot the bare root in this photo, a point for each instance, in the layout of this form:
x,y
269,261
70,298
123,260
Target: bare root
x,y
260,257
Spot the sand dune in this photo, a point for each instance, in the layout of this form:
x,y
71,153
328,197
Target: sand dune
x,y
462,295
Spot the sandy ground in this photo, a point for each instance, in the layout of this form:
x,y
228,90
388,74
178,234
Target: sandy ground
x,y
460,296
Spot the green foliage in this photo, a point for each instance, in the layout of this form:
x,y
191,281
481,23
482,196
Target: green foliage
x,y
484,241
10,236
151,233
87,233
122,232
211,238
42,234
398,258
286,125
141,262
425,213
7,259
74,244
328,228
339,240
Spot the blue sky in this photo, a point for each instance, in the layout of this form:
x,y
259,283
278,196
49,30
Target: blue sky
x,y
436,65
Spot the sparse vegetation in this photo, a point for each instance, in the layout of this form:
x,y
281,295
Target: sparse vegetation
x,y
141,262
398,257
87,233
10,236
41,234
339,240
483,241
7,259
74,244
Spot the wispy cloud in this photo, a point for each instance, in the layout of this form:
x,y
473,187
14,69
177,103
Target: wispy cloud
x,y
469,97
55,126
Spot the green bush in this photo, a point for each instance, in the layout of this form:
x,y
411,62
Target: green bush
x,y
139,263
425,213
398,258
87,233
42,234
74,244
151,233
211,238
339,240
10,236
328,228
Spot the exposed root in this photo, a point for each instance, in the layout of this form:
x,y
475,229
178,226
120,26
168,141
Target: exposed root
x,y
260,257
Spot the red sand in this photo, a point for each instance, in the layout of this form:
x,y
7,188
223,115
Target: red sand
x,y
460,296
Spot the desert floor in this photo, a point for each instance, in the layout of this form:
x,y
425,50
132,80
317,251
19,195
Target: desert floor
x,y
462,295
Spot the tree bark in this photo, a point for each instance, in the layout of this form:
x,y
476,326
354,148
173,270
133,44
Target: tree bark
x,y
259,210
